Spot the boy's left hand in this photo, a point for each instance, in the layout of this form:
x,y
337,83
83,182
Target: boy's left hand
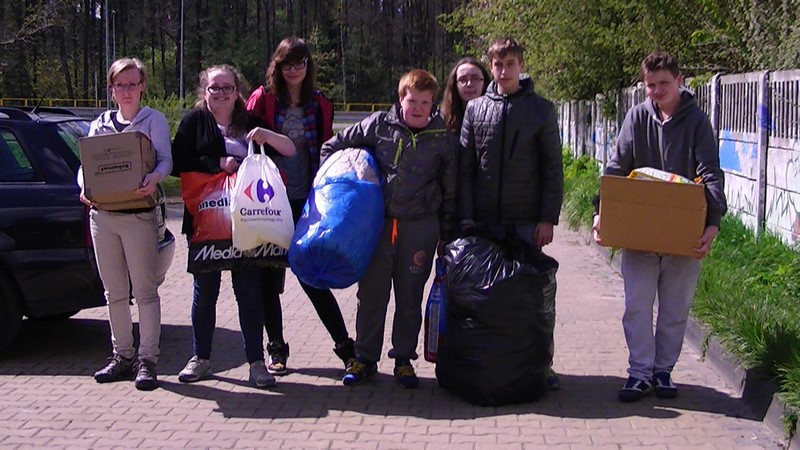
x,y
543,234
705,241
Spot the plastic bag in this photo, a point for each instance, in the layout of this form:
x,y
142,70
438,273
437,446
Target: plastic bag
x,y
436,312
260,209
341,222
207,200
500,320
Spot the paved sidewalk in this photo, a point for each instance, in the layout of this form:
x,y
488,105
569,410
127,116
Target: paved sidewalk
x,y
49,399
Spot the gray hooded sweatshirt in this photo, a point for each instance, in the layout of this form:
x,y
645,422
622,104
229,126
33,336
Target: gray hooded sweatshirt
x,y
150,122
685,145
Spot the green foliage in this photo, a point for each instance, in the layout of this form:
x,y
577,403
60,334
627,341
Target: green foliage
x,y
172,108
581,185
747,295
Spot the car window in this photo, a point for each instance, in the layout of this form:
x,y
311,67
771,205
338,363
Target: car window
x,y
14,164
71,131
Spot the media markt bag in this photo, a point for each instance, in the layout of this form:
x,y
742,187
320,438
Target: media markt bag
x,y
260,209
207,199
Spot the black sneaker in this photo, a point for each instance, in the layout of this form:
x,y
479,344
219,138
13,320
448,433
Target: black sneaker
x,y
404,374
358,371
345,350
146,379
662,384
117,369
634,389
278,356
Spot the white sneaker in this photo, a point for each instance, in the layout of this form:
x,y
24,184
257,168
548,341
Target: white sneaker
x,y
259,375
196,369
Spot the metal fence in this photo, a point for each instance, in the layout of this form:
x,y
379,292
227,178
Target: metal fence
x,y
756,117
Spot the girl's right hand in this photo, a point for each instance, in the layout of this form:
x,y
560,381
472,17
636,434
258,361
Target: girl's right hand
x,y
228,164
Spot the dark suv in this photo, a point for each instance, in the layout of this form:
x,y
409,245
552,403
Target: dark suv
x,y
47,265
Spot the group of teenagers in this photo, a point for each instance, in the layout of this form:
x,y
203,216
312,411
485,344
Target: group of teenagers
x,y
487,158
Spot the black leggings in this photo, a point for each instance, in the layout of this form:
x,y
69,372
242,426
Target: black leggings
x,y
324,302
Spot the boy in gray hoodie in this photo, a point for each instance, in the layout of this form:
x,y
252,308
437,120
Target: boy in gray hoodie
x,y
667,131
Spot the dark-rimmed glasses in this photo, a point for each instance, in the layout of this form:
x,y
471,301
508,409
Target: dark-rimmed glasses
x,y
226,89
296,66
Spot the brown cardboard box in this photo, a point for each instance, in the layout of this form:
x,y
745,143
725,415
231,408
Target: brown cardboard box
x,y
114,166
651,216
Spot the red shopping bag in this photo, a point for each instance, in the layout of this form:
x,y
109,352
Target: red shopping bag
x,y
207,199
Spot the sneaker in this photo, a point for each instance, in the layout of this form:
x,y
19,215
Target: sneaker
x,y
358,370
278,355
345,350
552,381
118,368
260,376
196,369
662,384
634,389
404,374
146,379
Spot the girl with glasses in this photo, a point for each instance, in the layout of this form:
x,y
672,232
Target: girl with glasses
x,y
212,138
291,105
126,241
467,80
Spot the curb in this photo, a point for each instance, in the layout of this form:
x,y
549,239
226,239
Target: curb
x,y
755,386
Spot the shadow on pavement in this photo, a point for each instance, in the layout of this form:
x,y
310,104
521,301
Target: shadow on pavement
x,y
582,397
81,346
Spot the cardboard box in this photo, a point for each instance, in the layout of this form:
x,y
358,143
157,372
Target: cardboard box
x,y
114,166
651,216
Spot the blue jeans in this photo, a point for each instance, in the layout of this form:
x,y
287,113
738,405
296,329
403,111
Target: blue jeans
x,y
247,289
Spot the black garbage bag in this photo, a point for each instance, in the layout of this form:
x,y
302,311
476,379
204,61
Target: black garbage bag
x,y
501,315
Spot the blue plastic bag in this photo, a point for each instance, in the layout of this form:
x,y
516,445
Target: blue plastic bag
x,y
436,312
341,223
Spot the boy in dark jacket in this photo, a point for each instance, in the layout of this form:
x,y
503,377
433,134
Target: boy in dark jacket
x,y
510,171
667,131
418,162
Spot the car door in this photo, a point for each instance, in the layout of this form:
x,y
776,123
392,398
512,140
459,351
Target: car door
x,y
44,245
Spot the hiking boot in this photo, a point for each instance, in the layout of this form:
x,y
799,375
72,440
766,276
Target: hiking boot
x,y
662,384
260,376
278,355
358,370
404,374
146,379
552,380
118,368
196,369
345,350
634,389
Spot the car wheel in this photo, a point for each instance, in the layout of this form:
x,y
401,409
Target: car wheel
x,y
10,313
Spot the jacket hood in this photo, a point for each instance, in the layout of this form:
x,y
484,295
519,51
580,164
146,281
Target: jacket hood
x,y
526,87
106,118
393,116
687,104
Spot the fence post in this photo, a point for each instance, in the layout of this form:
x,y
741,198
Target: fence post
x,y
763,148
715,112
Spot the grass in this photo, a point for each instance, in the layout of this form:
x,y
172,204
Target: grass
x,y
172,186
747,293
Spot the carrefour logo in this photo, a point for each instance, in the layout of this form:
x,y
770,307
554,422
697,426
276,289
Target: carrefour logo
x,y
263,191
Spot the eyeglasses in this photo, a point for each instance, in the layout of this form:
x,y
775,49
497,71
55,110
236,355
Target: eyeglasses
x,y
296,66
463,81
119,87
227,89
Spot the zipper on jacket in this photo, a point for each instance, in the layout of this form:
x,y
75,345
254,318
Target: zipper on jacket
x,y
502,157
398,151
513,145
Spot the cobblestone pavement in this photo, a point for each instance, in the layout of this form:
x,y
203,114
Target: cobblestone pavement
x,y
49,399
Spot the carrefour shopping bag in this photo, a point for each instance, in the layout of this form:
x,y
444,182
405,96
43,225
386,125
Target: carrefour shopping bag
x,y
260,209
207,200
436,312
341,223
